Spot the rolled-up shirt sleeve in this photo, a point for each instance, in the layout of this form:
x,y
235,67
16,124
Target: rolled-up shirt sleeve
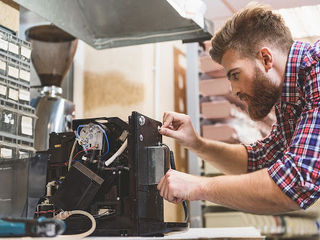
x,y
297,173
263,153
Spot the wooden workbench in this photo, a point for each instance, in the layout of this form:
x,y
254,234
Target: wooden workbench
x,y
201,233
193,233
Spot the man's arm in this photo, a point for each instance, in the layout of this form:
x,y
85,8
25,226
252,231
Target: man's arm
x,y
252,192
228,158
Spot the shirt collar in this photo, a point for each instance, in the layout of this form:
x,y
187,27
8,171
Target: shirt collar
x,y
290,91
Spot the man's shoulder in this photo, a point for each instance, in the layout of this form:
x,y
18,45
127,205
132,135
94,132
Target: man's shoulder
x,y
314,50
311,55
308,80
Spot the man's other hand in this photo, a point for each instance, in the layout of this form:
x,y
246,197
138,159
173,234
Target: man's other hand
x,y
177,186
179,127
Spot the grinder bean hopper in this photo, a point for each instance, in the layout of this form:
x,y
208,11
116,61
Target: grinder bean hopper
x,y
52,54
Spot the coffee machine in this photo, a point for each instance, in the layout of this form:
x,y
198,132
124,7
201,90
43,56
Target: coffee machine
x,y
52,55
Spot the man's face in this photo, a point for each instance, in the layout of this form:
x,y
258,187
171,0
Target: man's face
x,y
251,84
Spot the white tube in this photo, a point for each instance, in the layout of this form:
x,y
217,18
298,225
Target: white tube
x,y
66,214
71,154
49,185
117,154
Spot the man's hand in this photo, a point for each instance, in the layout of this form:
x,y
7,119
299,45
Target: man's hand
x,y
179,127
178,186
228,158
254,192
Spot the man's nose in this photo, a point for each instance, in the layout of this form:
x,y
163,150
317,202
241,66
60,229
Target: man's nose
x,y
234,89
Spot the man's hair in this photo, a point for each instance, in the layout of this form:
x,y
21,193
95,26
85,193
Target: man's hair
x,y
248,29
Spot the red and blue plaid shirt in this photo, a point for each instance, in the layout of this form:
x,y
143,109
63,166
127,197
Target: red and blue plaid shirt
x,y
292,150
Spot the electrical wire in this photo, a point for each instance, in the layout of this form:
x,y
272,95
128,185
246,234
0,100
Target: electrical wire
x,y
107,141
71,153
64,215
84,150
184,202
117,154
44,212
78,136
104,133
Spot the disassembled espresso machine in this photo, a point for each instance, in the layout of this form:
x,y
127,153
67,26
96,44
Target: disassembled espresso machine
x,y
110,169
104,166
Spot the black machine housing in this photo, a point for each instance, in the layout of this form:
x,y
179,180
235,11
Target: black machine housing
x,y
122,196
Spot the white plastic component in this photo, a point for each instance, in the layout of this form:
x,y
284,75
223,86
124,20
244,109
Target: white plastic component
x,y
6,152
3,65
3,90
26,52
3,44
13,94
49,186
23,154
13,48
13,72
8,118
24,95
91,135
26,125
24,75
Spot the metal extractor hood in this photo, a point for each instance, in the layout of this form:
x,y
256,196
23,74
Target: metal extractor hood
x,y
115,23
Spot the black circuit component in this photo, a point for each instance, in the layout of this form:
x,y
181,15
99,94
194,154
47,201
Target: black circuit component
x,y
45,210
78,189
115,128
60,145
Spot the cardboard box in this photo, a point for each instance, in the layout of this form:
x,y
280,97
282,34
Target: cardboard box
x,y
215,87
216,110
220,132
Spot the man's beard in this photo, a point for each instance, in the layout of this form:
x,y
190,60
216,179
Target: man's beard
x,y
265,96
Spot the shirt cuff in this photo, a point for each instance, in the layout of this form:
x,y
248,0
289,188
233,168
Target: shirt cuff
x,y
251,160
288,180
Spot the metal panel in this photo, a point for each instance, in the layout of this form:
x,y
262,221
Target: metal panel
x,y
193,111
116,23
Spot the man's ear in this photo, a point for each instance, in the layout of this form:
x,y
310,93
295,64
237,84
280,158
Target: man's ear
x,y
266,58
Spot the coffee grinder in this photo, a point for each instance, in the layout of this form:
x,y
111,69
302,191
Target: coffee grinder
x,y
52,54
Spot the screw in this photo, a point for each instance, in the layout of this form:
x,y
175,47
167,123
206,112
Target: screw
x,y
142,120
113,173
141,138
119,172
118,198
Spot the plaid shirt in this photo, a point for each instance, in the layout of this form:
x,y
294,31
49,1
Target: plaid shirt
x,y
292,150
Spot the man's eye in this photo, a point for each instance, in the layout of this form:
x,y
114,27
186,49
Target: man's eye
x,y
235,76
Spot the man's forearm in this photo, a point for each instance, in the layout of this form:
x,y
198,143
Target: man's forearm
x,y
228,158
252,192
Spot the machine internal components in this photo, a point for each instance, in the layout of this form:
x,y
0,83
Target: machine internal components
x,y
79,188
91,135
60,145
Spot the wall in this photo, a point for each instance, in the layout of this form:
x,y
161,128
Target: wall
x,y
9,15
115,82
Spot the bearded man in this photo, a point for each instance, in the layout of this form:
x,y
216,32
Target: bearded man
x,y
267,69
